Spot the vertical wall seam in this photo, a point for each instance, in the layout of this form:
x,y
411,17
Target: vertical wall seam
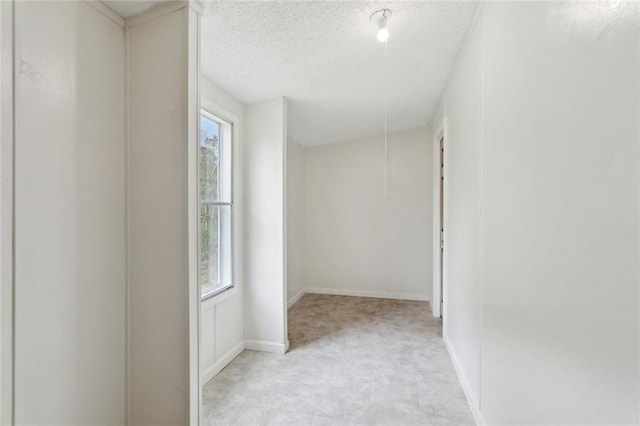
x,y
285,330
481,193
127,280
198,298
12,414
215,325
637,11
444,252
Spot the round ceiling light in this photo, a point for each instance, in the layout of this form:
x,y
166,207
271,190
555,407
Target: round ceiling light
x,y
380,18
383,34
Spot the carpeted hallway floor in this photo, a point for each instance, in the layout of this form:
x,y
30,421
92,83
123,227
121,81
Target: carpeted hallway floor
x,y
351,360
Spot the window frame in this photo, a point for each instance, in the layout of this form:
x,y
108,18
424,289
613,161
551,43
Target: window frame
x,y
222,122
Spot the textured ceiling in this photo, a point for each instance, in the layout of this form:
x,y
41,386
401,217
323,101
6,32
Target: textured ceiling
x,y
325,58
129,8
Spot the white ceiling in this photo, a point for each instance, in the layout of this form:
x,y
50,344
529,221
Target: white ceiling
x,y
325,58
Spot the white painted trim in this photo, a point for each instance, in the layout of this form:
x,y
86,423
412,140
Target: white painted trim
x,y
219,298
218,112
162,9
211,107
7,190
295,298
285,220
638,206
367,293
197,6
442,132
106,11
210,372
466,388
127,233
436,223
193,209
263,346
478,21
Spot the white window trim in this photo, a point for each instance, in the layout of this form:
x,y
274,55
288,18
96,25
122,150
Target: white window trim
x,y
217,295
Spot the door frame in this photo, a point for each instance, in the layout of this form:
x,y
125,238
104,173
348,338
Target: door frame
x,y
438,255
194,297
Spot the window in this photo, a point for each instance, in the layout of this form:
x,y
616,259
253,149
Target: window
x,y
216,205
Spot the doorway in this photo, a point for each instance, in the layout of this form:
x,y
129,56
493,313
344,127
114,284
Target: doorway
x,y
439,199
441,219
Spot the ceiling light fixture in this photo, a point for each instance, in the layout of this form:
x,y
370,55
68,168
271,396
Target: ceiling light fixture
x,y
380,17
383,34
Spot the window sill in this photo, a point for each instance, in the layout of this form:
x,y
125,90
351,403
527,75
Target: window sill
x,y
211,300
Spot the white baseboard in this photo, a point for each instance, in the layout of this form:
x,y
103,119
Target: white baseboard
x,y
367,293
473,405
252,345
210,372
295,298
262,346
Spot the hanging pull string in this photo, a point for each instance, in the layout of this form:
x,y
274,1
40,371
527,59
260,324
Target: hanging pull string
x,y
386,101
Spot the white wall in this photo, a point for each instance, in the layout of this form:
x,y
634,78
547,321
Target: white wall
x,y
93,346
264,233
295,218
560,214
69,217
162,144
6,212
222,320
557,145
356,240
461,301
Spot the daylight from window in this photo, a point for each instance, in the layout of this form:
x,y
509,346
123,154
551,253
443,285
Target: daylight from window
x,y
215,206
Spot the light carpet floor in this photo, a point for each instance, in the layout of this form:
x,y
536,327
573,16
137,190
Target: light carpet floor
x,y
352,360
